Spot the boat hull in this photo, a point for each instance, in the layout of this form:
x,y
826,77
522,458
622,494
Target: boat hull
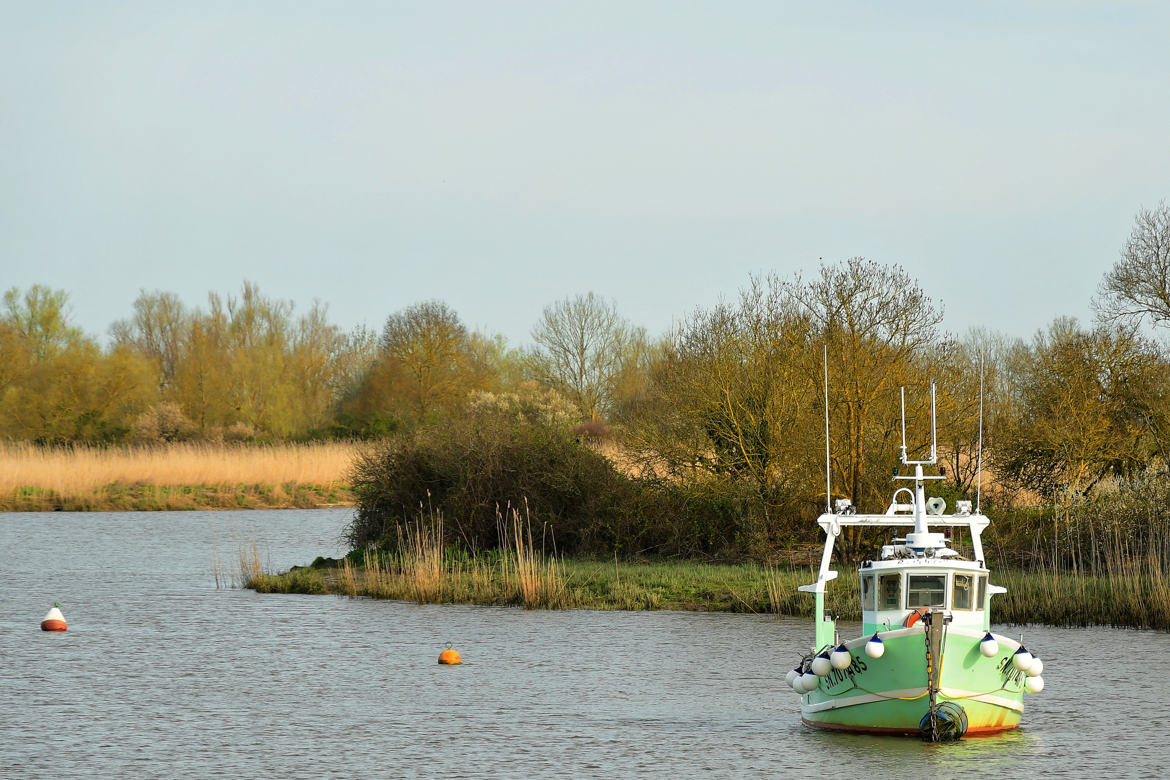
x,y
891,695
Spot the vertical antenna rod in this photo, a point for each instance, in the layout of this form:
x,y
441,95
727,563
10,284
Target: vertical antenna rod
x,y
933,435
979,455
903,390
828,485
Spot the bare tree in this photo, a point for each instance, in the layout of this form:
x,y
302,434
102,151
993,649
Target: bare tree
x,y
725,400
957,364
427,345
157,331
1091,404
877,322
580,346
1138,286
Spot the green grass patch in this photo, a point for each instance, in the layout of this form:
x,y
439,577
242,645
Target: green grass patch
x,y
1134,597
577,583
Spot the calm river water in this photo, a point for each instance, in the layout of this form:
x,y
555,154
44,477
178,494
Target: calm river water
x,y
161,674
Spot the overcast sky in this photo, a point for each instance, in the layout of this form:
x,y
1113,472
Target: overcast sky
x,y
501,156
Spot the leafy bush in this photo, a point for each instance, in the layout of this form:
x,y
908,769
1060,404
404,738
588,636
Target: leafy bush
x,y
501,456
163,422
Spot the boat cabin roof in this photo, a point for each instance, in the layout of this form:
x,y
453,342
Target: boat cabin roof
x,y
889,564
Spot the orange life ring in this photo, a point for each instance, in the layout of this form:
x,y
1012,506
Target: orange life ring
x,y
913,617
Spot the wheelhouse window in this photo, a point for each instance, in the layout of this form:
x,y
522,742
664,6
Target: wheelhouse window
x,y
890,591
962,591
981,602
926,590
868,592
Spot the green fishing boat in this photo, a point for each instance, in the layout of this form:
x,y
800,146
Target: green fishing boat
x,y
925,662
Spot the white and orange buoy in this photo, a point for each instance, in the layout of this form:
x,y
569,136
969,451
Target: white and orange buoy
x,y
450,656
54,621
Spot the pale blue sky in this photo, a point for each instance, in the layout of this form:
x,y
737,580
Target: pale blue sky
x,y
500,156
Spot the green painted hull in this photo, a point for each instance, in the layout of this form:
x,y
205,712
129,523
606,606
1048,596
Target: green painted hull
x,y
889,695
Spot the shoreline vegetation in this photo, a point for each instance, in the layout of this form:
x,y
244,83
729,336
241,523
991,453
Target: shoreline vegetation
x,y
177,476
695,446
1124,599
1131,594
1126,586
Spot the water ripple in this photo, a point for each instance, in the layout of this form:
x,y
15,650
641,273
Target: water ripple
x,y
163,675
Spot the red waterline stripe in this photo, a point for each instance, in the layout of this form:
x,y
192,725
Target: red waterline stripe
x,y
973,731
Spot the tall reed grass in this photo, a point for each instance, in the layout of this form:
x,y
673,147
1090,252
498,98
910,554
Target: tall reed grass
x,y
249,569
535,576
420,568
176,476
1079,561
1133,592
520,573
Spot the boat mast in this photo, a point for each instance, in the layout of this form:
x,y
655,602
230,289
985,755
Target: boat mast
x,y
828,483
921,527
979,452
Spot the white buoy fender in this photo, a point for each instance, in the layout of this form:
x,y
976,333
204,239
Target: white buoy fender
x,y
821,665
809,682
988,646
791,676
840,658
1034,684
1036,668
875,647
1022,659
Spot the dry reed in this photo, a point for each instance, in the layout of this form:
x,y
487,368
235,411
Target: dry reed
x,y
778,592
534,576
421,561
422,569
249,569
217,567
183,476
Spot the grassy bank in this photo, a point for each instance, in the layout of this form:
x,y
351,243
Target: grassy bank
x,y
563,584
1034,596
1132,593
177,476
421,568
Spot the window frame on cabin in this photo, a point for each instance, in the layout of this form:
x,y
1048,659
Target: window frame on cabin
x,y
936,588
883,601
968,589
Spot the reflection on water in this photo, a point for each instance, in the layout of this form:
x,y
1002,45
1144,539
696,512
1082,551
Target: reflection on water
x,y
1003,755
161,674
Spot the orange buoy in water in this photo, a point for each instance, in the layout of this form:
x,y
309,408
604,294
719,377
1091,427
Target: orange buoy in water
x,y
54,621
449,656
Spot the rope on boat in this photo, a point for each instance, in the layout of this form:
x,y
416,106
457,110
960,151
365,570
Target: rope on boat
x,y
857,687
898,698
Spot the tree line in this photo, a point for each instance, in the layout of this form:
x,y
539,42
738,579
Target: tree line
x,y
732,396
